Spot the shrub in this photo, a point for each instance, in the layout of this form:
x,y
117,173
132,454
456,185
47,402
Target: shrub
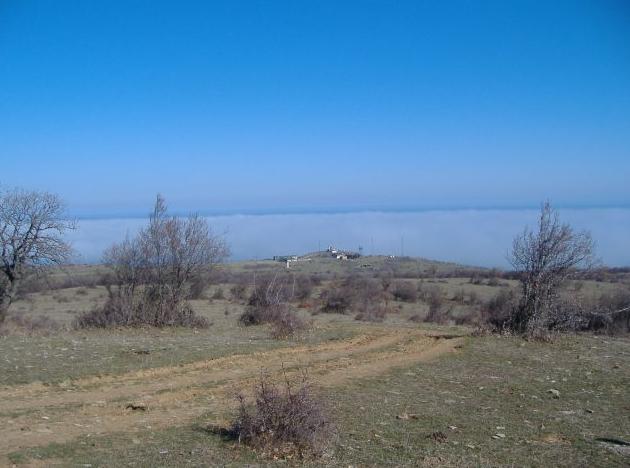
x,y
197,287
498,310
459,296
20,324
268,291
218,294
493,281
436,314
119,313
267,304
353,292
286,323
372,313
468,317
303,288
415,318
473,298
155,271
405,291
283,419
336,301
611,313
61,299
238,292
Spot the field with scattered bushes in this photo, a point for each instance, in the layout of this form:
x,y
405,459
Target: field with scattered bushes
x,y
381,361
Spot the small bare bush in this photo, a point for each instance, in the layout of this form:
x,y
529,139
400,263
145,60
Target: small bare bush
x,y
218,294
302,288
610,314
27,325
415,318
268,304
493,281
286,323
117,313
238,292
436,314
61,299
197,287
336,301
467,317
405,291
372,313
498,311
283,419
459,296
353,293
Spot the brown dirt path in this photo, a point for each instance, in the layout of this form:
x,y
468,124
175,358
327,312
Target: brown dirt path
x,y
35,414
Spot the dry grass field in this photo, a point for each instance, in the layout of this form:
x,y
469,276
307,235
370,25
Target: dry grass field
x,y
400,392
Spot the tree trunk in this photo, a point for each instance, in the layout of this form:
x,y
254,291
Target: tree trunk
x,y
7,298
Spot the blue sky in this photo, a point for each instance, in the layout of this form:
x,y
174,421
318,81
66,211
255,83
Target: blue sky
x,y
228,106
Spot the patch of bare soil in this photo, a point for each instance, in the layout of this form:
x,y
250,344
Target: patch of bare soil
x,y
36,414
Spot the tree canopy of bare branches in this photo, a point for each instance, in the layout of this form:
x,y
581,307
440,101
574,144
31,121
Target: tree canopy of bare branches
x,y
544,258
154,271
32,227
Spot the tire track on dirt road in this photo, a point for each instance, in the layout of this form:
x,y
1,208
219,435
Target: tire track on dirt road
x,y
176,395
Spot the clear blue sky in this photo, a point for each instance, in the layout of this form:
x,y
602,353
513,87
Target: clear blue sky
x,y
318,105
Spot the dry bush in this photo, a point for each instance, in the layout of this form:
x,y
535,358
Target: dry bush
x,y
544,259
61,299
493,281
459,296
434,297
372,313
116,313
286,323
26,325
302,288
436,314
610,314
415,318
238,292
81,292
218,294
473,298
269,290
498,311
476,279
268,304
283,420
353,293
468,317
154,272
405,291
197,287
336,301
430,293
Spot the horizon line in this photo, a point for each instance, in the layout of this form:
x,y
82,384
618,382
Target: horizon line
x,y
137,214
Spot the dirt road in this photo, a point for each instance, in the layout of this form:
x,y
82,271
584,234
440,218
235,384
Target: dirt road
x,y
35,414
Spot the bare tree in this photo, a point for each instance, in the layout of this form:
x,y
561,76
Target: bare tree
x,y
544,258
155,269
174,251
32,226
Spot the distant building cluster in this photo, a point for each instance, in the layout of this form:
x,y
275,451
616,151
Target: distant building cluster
x,y
332,251
342,254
